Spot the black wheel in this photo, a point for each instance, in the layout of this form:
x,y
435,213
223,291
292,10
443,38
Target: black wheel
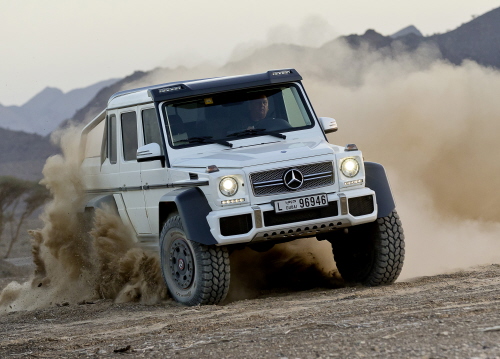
x,y
371,254
194,273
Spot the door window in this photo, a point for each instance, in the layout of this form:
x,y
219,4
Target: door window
x,y
150,127
111,145
129,135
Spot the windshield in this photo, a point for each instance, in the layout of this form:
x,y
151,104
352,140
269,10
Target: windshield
x,y
223,117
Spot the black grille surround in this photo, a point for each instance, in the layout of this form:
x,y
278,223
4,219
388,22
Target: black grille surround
x,y
274,219
270,182
359,206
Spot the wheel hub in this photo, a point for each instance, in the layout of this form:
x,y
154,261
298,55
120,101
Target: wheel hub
x,y
181,263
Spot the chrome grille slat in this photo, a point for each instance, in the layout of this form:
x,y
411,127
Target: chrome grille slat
x,y
270,182
318,174
267,182
268,185
316,177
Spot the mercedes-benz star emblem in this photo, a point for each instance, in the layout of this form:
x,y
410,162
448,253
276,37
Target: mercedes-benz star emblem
x,y
293,179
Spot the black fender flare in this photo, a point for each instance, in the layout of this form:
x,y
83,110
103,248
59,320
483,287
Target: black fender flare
x,y
101,201
376,179
193,208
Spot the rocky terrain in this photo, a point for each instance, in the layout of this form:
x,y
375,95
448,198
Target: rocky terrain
x,y
452,315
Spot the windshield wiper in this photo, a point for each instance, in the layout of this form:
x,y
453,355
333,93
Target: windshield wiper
x,y
256,132
208,139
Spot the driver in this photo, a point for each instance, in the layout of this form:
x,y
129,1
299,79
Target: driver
x,y
257,116
258,108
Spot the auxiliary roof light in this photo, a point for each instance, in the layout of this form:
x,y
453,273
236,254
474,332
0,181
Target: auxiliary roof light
x,y
284,72
170,89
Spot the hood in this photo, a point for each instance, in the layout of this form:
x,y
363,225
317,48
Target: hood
x,y
258,154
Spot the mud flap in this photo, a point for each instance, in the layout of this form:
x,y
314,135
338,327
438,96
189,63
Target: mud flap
x,y
193,208
376,179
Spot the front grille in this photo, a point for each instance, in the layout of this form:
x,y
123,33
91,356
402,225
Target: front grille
x,y
267,183
360,206
233,225
272,218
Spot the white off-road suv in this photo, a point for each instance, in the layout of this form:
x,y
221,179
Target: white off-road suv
x,y
199,168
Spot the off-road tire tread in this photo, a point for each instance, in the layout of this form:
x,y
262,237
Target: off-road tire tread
x,y
213,265
390,251
386,260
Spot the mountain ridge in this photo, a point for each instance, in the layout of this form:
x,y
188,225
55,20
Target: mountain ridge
x,y
45,111
24,154
477,40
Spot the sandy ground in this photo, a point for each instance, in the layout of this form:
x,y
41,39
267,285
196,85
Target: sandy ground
x,y
445,316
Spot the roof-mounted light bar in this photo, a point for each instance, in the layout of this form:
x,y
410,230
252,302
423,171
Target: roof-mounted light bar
x,y
170,89
209,86
283,72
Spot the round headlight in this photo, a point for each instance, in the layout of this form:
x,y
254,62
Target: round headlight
x,y
350,167
228,186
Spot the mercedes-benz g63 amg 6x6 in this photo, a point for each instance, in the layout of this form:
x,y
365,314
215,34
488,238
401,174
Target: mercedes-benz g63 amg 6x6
x,y
198,168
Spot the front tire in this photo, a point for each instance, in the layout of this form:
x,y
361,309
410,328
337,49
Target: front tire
x,y
371,254
193,272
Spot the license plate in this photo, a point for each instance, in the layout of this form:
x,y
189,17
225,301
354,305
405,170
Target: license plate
x,y
296,204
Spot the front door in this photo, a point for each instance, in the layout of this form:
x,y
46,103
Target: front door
x,y
130,172
154,176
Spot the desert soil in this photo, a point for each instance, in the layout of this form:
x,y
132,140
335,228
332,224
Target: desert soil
x,y
445,316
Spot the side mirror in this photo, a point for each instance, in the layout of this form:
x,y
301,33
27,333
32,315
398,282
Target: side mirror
x,y
328,124
150,152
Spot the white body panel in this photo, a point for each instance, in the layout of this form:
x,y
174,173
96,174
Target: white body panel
x,y
339,221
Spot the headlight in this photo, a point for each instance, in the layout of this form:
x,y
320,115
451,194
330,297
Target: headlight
x,y
228,186
350,167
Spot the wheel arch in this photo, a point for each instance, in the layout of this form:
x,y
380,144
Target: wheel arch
x,y
193,208
376,179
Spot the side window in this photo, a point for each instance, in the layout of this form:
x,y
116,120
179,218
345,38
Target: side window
x,y
129,135
104,144
94,141
297,115
150,127
111,131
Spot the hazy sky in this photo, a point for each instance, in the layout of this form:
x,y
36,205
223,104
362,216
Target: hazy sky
x,y
74,43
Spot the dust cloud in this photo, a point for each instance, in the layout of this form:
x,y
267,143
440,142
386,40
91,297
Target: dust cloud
x,y
298,265
73,265
312,32
435,130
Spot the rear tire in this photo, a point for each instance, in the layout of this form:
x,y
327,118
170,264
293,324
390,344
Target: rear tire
x,y
371,254
193,272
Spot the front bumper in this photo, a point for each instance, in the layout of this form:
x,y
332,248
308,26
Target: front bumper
x,y
260,223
